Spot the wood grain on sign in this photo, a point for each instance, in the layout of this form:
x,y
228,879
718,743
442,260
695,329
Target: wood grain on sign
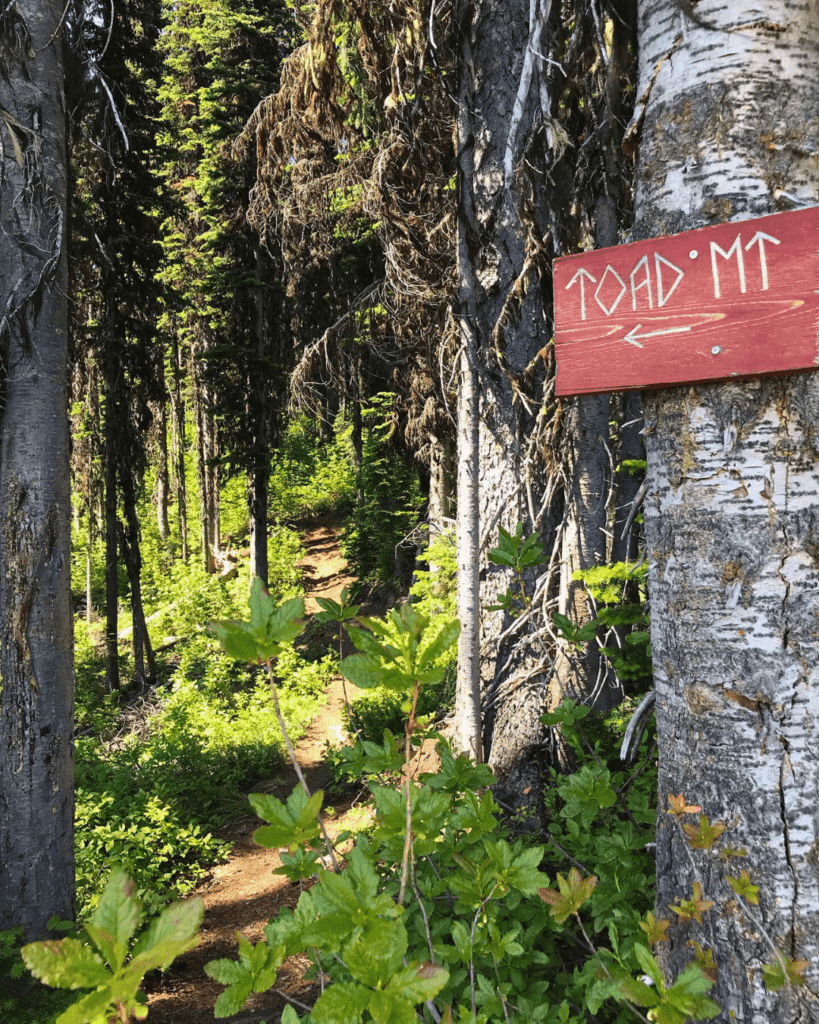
x,y
733,300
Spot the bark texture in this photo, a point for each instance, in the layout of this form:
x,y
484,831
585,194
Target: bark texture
x,y
36,663
584,675
503,329
179,444
728,101
160,414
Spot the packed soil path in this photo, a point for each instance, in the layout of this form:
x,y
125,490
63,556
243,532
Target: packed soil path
x,y
243,894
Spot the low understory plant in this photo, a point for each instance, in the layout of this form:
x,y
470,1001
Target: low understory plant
x,y
439,913
22,1000
148,800
149,803
110,959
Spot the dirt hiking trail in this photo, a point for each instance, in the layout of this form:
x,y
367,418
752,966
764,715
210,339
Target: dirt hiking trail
x,y
242,894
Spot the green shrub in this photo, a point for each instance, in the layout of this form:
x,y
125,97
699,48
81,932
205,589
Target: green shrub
x,y
148,805
311,475
392,500
126,816
380,709
22,999
435,591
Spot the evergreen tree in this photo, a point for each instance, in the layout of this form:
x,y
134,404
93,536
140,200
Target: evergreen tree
x,y
116,252
222,56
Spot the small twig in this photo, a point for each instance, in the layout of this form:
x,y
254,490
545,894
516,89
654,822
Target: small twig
x,y
424,913
294,761
635,505
408,782
290,999
472,947
628,751
593,949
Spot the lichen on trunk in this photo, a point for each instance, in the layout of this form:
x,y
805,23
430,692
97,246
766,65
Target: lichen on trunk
x,y
729,131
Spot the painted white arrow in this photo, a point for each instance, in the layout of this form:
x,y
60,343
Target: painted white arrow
x,y
759,239
632,335
580,275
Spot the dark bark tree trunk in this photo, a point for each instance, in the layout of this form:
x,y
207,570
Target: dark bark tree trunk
x,y
144,664
178,448
502,331
357,436
259,477
111,385
628,412
160,411
729,96
36,663
89,607
203,469
584,674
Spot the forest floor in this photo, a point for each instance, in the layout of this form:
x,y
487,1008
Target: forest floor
x,y
243,893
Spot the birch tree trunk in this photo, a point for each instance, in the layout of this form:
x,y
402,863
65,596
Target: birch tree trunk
x,y
36,656
728,97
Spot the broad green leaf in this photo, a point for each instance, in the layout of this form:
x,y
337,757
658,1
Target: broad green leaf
x,y
226,972
460,936
289,1015
442,642
259,604
500,557
775,977
113,953
234,998
364,641
341,1003
261,639
649,964
638,992
362,671
336,611
387,1007
91,1009
377,953
292,824
177,923
162,954
118,912
67,963
238,639
574,891
284,625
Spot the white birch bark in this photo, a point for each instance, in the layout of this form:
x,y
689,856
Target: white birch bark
x,y
728,104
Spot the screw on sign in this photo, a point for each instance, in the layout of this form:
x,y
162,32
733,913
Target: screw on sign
x,y
732,300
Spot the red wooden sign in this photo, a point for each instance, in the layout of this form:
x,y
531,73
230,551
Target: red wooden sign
x,y
733,300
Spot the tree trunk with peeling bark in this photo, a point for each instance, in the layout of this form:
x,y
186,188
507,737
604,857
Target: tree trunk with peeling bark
x,y
36,663
728,99
502,330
